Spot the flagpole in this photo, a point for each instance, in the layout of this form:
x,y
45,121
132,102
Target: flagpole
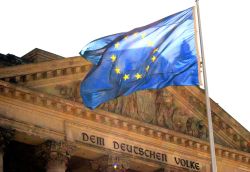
x,y
208,106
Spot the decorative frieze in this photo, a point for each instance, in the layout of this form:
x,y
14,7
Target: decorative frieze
x,y
161,118
78,110
46,74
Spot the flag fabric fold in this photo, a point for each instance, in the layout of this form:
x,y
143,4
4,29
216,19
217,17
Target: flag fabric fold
x,y
150,57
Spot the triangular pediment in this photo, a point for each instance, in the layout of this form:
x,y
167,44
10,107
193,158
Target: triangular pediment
x,y
38,55
181,109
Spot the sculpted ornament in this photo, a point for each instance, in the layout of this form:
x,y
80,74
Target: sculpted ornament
x,y
70,91
179,120
139,105
196,128
165,109
157,107
55,150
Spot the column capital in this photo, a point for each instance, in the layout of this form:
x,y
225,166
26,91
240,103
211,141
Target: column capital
x,y
111,162
55,150
56,153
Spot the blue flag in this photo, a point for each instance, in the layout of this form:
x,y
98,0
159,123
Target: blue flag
x,y
150,57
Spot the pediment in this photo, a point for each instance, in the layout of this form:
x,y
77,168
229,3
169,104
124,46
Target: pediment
x,y
38,55
181,109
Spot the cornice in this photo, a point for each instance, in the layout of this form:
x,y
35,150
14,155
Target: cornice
x,y
221,124
221,114
44,69
75,68
75,109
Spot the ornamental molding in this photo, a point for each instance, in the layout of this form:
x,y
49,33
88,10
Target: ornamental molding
x,y
44,70
75,112
74,69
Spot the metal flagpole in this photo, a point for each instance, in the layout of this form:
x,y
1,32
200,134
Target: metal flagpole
x,y
208,106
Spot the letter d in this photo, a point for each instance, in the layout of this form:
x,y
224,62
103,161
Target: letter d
x,y
85,137
116,145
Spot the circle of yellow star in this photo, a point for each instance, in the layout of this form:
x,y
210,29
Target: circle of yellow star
x,y
117,45
113,58
153,59
136,33
150,43
155,50
138,76
143,35
117,70
126,77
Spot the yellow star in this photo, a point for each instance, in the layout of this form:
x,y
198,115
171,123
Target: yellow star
x,y
147,68
138,76
113,58
125,77
150,43
117,45
136,33
126,37
143,35
155,50
117,70
153,59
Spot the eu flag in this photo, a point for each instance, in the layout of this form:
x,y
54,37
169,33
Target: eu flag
x,y
150,57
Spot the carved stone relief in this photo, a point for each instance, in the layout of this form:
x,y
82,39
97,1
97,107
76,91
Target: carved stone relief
x,y
158,107
196,128
69,91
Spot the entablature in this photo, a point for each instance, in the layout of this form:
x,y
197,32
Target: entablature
x,y
74,112
62,78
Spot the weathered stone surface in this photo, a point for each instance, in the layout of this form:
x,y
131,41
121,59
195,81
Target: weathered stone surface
x,y
158,107
56,154
42,103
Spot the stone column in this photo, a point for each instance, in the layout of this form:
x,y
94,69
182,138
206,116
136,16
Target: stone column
x,y
6,135
57,155
111,163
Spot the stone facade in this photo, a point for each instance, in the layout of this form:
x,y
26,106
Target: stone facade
x,y
151,130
